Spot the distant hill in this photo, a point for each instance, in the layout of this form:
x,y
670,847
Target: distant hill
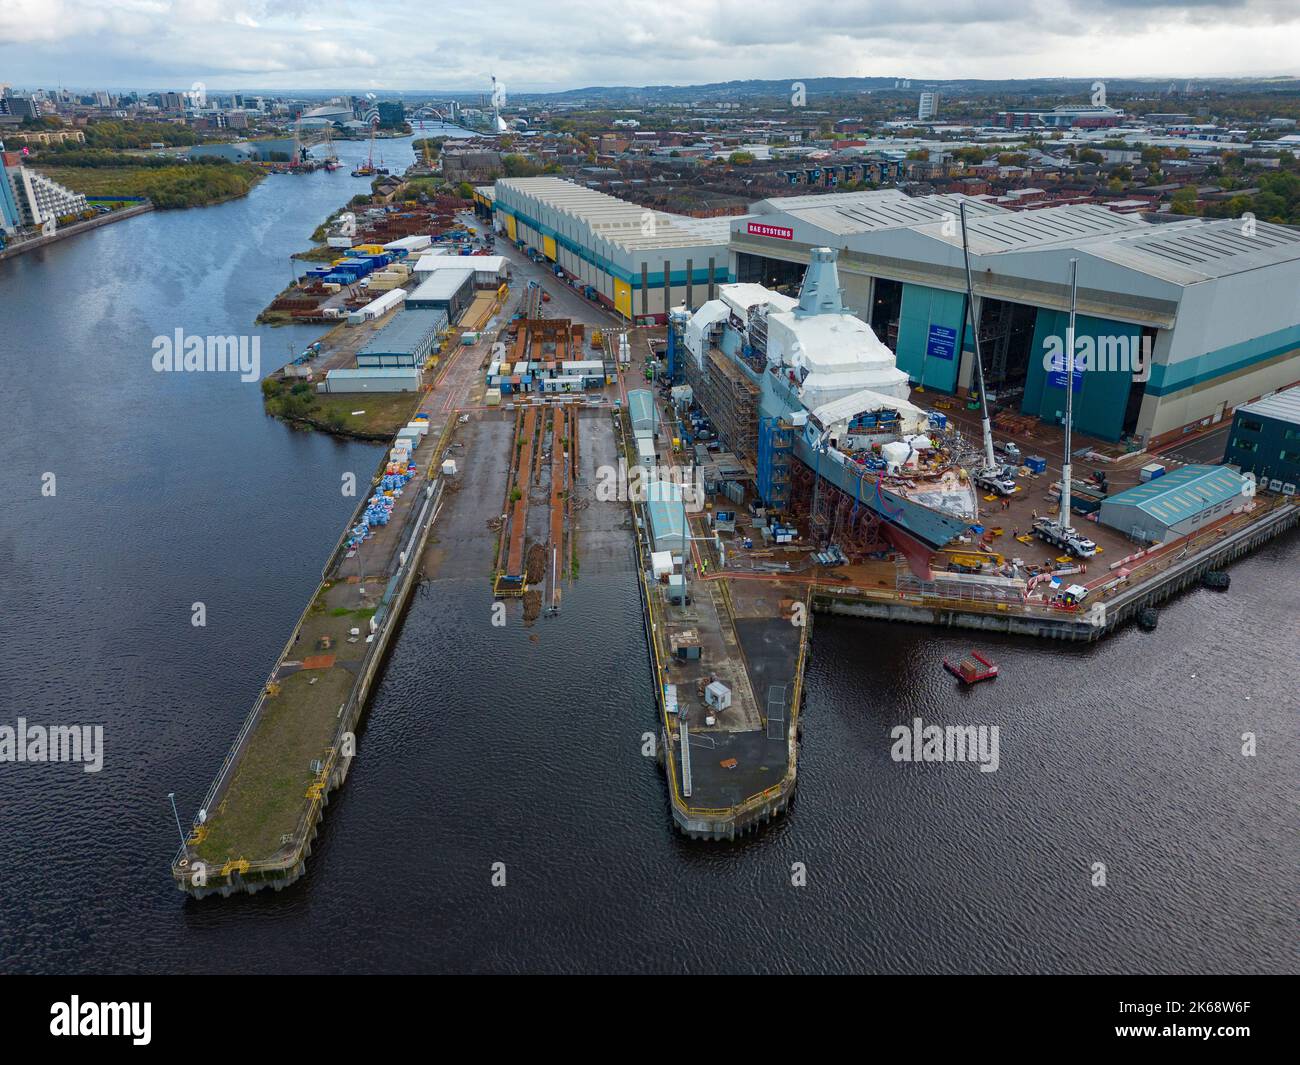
x,y
773,90
769,89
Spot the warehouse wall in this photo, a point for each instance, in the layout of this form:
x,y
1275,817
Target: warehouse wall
x,y
1235,338
1207,387
615,272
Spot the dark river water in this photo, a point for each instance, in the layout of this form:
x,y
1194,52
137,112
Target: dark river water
x,y
486,746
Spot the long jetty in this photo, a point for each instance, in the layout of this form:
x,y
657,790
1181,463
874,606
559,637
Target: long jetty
x,y
258,820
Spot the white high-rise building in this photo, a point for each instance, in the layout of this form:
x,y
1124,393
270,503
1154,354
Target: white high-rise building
x,y
929,106
39,200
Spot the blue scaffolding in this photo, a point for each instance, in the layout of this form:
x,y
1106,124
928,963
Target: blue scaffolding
x,y
775,452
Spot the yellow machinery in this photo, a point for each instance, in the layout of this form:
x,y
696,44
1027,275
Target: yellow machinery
x,y
972,560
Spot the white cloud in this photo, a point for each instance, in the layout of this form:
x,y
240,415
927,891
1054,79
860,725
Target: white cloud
x,y
337,44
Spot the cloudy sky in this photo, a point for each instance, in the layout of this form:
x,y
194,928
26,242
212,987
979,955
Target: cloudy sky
x,y
540,45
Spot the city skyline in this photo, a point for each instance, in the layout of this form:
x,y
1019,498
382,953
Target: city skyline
x,y
318,47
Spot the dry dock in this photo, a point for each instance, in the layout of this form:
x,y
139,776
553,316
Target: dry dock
x,y
259,819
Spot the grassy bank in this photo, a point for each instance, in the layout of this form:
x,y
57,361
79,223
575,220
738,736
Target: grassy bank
x,y
382,413
182,185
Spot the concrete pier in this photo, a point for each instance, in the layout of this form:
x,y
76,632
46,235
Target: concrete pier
x,y
1182,566
257,823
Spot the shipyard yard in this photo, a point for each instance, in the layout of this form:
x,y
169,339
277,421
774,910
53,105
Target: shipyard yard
x,y
743,527
526,471
769,461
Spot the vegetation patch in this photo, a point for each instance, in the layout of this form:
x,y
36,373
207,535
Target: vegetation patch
x,y
381,413
164,181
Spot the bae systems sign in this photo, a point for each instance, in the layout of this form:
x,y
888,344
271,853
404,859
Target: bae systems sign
x,y
758,229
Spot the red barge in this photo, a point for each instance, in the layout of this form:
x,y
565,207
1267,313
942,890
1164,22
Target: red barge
x,y
972,670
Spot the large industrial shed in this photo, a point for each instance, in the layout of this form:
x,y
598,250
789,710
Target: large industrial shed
x,y
1265,441
449,291
406,341
1174,505
489,270
1212,301
639,261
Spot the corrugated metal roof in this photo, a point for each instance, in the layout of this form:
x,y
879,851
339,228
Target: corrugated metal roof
x,y
1051,225
863,212
1284,406
1198,249
1183,252
665,510
406,333
442,285
628,225
375,371
641,405
482,264
1182,494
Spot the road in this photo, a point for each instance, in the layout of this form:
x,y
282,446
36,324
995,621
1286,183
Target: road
x,y
1207,447
565,301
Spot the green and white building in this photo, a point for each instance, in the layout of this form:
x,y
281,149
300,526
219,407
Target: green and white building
x,y
1181,321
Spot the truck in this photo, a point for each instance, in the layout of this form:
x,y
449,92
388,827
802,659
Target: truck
x,y
1008,449
1064,537
997,481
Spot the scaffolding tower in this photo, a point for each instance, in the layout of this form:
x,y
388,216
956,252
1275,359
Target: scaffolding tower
x,y
775,453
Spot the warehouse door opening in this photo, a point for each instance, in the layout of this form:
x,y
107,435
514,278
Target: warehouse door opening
x,y
886,306
1139,389
1006,337
775,274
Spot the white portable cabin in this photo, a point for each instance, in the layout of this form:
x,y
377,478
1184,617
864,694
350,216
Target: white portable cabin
x,y
717,695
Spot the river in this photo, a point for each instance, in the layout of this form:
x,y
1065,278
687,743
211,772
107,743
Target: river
x,y
523,747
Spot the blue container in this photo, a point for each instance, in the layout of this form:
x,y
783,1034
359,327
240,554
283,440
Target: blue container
x,y
938,420
1036,464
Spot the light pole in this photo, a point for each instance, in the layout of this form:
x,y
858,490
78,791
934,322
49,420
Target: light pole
x,y
172,796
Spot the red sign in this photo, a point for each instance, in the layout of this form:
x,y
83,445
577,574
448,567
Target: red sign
x,y
758,229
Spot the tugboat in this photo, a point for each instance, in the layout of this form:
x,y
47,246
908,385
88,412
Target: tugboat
x,y
972,670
